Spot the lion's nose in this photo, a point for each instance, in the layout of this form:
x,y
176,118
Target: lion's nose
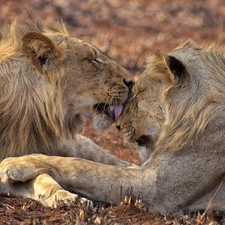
x,y
118,127
129,84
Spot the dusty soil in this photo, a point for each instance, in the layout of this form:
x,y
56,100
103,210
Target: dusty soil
x,y
128,31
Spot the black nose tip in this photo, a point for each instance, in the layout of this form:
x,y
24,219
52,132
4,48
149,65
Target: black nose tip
x,y
129,84
118,127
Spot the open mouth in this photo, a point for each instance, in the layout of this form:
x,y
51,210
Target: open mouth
x,y
113,112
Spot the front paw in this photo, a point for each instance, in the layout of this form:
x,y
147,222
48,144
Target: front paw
x,y
50,193
10,170
64,197
18,169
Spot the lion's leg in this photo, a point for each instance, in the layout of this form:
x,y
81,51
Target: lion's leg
x,y
166,184
30,177
44,189
96,181
83,147
50,193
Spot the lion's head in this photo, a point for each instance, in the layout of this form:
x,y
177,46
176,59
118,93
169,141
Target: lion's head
x,y
174,99
138,123
92,84
49,78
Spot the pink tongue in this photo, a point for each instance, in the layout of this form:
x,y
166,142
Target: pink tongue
x,y
118,111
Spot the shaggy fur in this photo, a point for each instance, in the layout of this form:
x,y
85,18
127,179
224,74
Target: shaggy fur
x,y
30,120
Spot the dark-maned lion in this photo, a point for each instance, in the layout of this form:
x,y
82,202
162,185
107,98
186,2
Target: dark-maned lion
x,y
177,115
48,79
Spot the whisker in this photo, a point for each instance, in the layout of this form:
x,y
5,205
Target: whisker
x,y
100,102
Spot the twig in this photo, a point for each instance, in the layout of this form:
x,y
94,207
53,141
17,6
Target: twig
x,y
210,202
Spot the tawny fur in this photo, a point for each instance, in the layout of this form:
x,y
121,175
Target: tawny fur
x,y
40,106
177,115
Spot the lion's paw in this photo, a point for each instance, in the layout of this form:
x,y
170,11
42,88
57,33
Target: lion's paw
x,y
16,169
9,171
66,198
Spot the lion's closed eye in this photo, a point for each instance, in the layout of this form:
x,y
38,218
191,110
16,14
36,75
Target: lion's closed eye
x,y
98,60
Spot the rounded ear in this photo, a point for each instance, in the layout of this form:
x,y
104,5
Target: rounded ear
x,y
172,70
174,66
40,50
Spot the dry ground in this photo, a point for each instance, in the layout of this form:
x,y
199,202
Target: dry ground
x,y
128,31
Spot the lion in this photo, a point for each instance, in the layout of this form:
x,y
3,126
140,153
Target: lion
x,y
177,116
49,81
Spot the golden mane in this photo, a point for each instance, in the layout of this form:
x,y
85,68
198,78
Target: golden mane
x,y
185,121
11,35
31,120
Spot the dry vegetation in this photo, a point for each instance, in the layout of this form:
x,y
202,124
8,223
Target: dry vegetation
x,y
128,31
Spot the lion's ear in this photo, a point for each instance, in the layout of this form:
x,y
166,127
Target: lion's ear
x,y
170,68
40,50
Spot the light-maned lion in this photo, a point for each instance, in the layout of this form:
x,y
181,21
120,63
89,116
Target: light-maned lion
x,y
177,115
48,79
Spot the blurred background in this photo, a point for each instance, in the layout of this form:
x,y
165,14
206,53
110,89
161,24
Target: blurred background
x,y
128,31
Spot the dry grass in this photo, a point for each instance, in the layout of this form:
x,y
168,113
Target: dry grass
x,y
16,210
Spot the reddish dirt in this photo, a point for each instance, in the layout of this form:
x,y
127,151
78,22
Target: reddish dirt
x,y
128,31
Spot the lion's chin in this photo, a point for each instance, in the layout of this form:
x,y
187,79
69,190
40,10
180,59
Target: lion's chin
x,y
102,122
